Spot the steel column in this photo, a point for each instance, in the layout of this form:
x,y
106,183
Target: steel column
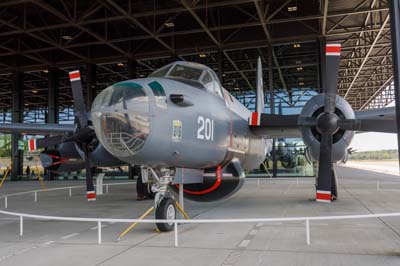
x,y
17,117
132,66
221,66
90,84
272,107
53,103
132,74
395,31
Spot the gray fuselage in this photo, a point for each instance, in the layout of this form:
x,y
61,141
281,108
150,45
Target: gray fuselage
x,y
202,130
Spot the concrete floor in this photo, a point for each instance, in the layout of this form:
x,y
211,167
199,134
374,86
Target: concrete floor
x,y
349,242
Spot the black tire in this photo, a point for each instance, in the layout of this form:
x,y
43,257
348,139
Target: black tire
x,y
334,186
166,205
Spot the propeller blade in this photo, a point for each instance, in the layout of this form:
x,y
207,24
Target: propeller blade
x,y
35,144
79,101
370,125
90,192
331,75
325,168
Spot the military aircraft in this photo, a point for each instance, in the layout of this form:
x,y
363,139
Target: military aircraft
x,y
183,127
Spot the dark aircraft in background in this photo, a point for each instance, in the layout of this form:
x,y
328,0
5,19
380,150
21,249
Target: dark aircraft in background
x,y
182,126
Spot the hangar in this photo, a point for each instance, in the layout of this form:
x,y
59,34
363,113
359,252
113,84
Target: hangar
x,y
293,44
110,40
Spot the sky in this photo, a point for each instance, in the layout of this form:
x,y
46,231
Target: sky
x,y
374,141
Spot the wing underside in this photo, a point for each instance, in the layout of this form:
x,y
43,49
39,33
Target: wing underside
x,y
36,129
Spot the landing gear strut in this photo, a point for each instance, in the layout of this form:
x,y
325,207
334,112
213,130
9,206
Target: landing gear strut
x,y
163,200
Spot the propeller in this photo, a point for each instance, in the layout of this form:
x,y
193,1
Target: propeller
x,y
327,123
82,136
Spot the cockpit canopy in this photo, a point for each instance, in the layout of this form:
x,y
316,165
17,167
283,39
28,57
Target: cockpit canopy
x,y
192,72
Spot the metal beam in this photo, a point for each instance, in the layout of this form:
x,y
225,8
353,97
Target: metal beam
x,y
238,70
269,39
379,90
325,17
201,23
138,24
368,53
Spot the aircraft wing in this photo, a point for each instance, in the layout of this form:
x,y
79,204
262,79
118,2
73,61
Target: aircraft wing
x,y
381,113
36,129
275,126
289,126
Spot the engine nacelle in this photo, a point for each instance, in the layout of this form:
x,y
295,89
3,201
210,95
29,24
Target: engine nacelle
x,y
341,138
64,159
99,156
217,185
69,157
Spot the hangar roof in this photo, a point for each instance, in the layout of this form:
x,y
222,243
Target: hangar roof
x,y
227,35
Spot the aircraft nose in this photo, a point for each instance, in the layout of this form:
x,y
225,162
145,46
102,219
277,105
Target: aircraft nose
x,y
120,117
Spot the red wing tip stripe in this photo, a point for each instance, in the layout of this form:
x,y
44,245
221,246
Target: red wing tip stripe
x,y
255,119
32,145
74,75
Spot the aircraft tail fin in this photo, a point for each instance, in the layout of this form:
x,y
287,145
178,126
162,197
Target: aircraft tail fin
x,y
260,88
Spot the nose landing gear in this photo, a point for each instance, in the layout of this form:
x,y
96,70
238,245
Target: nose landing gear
x,y
163,200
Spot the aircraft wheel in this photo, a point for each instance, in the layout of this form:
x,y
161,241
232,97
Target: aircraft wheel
x,y
166,210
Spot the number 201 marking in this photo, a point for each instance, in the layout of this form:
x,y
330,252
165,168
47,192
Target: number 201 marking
x,y
206,129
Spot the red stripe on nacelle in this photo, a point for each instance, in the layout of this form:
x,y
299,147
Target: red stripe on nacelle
x,y
333,48
323,196
210,189
74,75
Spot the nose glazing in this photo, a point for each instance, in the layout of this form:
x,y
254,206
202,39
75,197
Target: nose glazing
x,y
120,117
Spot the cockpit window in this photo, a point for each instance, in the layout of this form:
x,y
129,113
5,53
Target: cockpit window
x,y
124,94
185,72
161,72
206,79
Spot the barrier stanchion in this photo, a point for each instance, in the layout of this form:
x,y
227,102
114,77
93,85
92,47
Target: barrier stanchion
x,y
70,191
21,225
308,231
5,202
99,232
35,196
176,233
